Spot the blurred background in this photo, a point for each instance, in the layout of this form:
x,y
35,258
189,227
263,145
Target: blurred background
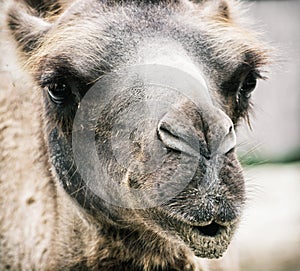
x,y
269,237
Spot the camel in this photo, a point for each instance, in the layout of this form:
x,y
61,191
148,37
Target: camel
x,y
119,151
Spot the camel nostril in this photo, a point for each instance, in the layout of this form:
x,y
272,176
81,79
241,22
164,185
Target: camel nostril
x,y
221,135
230,151
169,138
178,137
164,130
210,230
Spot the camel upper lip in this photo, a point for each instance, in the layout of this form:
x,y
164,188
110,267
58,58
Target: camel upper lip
x,y
197,224
207,223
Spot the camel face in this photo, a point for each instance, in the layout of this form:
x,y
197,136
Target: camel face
x,y
140,105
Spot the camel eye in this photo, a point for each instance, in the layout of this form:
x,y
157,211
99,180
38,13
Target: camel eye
x,y
58,92
248,85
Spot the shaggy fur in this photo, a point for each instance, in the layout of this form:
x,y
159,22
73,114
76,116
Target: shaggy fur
x,y
49,220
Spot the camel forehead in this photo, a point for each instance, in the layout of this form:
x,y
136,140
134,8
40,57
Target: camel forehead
x,y
93,38
106,39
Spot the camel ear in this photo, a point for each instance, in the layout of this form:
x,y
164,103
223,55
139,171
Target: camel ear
x,y
219,9
42,7
223,10
27,23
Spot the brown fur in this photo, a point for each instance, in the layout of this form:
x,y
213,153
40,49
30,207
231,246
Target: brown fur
x,y
43,226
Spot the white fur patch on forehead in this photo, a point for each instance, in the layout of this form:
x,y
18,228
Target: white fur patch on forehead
x,y
170,53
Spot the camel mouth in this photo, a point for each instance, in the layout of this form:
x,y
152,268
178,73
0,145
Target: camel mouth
x,y
209,241
206,240
210,230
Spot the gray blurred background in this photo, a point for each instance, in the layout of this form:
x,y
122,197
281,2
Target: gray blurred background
x,y
276,122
